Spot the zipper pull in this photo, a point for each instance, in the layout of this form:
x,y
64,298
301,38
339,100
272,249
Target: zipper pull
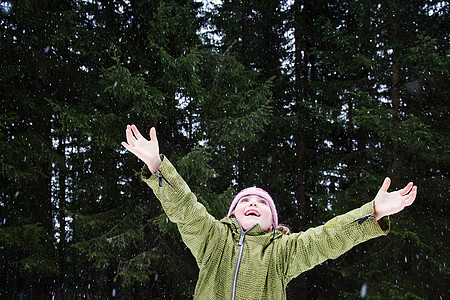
x,y
160,177
241,240
362,220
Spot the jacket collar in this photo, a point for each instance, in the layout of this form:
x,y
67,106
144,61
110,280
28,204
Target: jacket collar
x,y
236,229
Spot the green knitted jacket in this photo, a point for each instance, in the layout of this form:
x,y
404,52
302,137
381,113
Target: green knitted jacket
x,y
254,264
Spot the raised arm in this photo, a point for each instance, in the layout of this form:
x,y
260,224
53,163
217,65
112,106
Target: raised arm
x,y
307,249
390,203
145,150
195,224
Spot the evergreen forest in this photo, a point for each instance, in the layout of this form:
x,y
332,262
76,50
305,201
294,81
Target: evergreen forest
x,y
314,101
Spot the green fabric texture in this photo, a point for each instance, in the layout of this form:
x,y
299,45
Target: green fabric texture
x,y
269,260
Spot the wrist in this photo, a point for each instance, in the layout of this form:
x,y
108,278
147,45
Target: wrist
x,y
378,216
376,211
155,164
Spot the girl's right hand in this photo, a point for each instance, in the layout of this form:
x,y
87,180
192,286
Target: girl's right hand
x,y
145,150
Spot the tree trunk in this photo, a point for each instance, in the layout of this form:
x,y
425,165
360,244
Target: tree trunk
x,y
62,220
301,73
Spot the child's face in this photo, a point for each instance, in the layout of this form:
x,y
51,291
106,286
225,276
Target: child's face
x,y
252,210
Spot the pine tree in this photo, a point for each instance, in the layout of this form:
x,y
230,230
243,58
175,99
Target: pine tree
x,y
315,102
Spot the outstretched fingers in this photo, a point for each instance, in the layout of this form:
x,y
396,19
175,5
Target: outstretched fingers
x,y
136,132
128,147
406,189
130,138
408,199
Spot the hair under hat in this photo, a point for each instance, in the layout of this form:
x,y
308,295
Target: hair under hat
x,y
258,192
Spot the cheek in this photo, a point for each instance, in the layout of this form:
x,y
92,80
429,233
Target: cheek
x,y
238,211
268,213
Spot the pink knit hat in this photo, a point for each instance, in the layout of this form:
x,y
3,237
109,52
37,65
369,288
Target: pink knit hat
x,y
258,192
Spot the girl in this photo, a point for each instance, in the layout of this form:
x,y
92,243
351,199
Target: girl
x,y
244,256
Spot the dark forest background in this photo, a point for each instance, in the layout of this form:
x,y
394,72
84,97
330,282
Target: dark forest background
x,y
314,101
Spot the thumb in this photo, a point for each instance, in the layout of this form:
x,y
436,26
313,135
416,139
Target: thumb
x,y
153,134
386,184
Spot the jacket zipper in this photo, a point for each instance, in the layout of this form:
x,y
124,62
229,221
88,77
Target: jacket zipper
x,y
161,177
238,264
363,219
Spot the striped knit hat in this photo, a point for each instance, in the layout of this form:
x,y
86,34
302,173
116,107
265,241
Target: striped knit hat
x,y
258,192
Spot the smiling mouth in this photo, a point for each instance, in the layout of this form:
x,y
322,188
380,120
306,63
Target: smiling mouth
x,y
252,213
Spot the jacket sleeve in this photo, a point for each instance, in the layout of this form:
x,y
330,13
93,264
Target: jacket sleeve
x,y
195,224
302,251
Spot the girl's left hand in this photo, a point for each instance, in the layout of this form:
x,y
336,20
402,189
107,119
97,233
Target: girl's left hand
x,y
390,203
